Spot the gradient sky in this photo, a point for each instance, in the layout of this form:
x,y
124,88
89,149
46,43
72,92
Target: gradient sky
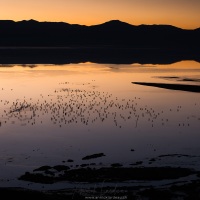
x,y
181,13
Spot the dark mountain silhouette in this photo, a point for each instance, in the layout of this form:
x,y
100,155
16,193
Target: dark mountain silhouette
x,y
112,33
111,42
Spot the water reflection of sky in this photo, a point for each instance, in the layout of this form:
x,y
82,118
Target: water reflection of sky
x,y
53,113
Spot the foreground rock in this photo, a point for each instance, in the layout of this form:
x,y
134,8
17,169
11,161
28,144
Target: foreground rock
x,y
184,192
98,155
110,174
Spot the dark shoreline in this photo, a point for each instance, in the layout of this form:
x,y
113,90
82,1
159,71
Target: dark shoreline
x,y
183,192
176,189
181,87
50,175
161,182
95,54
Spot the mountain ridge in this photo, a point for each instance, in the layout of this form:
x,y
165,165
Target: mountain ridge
x,y
113,32
114,21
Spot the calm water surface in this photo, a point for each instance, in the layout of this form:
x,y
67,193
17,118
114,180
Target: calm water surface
x,y
52,113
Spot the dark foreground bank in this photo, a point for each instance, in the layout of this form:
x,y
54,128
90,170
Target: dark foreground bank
x,y
115,174
190,191
96,181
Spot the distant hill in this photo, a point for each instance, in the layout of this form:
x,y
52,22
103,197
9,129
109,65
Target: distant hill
x,y
113,33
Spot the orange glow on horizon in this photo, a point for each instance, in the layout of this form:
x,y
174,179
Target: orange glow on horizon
x,y
180,13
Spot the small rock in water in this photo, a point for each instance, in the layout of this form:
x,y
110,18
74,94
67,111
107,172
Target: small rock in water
x,y
93,156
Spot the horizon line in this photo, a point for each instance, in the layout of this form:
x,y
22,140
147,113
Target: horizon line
x,y
99,23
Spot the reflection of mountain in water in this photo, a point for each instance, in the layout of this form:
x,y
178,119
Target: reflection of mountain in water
x,y
108,55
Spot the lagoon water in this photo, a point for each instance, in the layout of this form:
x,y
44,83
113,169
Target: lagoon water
x,y
52,113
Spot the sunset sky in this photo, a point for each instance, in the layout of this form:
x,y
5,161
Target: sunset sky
x,y
181,13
